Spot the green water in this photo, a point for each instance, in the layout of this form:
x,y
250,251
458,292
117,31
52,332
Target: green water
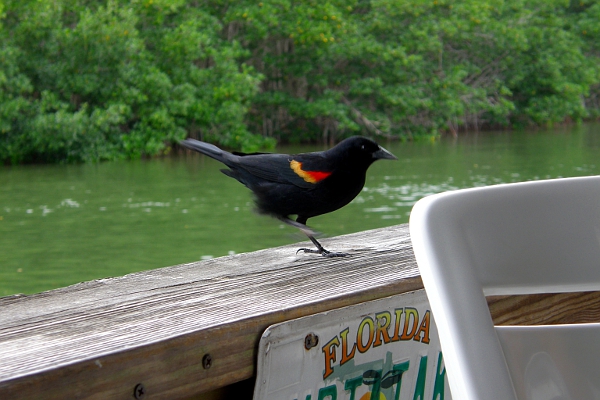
x,y
64,224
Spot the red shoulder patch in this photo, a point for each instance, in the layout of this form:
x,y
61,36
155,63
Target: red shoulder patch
x,y
308,176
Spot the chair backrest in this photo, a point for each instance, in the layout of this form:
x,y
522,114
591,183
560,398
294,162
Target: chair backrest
x,y
532,237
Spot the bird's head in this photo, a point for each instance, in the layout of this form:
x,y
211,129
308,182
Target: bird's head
x,y
361,150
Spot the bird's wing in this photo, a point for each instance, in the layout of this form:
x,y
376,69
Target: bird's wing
x,y
282,168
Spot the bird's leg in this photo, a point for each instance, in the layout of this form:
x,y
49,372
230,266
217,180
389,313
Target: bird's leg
x,y
321,250
301,224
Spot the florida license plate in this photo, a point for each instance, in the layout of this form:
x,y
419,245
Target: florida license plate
x,y
382,349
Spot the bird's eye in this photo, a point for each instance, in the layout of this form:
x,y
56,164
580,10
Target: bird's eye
x,y
362,147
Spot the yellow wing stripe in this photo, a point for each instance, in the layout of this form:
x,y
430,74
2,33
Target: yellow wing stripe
x,y
308,176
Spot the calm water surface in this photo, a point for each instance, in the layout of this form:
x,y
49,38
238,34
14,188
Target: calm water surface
x,y
61,225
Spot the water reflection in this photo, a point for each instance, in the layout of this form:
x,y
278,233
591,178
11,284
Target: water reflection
x,y
64,224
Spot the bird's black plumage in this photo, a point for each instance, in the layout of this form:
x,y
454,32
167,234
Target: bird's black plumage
x,y
305,185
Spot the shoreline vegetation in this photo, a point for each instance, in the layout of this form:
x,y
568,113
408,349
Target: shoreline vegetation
x,y
85,81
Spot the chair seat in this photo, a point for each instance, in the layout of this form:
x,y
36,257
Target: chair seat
x,y
553,362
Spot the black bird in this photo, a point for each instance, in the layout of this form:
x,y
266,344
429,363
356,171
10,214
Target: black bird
x,y
305,185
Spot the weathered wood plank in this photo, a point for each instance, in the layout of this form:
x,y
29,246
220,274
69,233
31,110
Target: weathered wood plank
x,y
100,339
539,309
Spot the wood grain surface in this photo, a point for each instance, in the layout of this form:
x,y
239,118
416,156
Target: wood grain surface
x,y
99,339
152,330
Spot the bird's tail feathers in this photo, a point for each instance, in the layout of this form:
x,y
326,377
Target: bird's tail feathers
x,y
204,148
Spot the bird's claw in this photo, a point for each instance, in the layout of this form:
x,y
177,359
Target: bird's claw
x,y
323,252
307,251
331,254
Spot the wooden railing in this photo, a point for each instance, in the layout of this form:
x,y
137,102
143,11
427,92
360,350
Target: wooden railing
x,y
193,329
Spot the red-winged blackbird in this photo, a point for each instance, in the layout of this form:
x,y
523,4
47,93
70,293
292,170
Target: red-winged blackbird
x,y
305,185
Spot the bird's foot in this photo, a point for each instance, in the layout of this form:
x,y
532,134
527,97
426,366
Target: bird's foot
x,y
323,252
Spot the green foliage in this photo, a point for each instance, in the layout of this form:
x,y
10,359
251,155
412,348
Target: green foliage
x,y
104,80
85,80
417,68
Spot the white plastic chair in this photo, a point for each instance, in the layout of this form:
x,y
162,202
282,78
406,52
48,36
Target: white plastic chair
x,y
522,238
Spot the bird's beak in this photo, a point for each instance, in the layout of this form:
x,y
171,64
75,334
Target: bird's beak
x,y
383,154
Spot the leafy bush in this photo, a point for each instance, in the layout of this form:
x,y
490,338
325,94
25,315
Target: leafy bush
x,y
85,81
414,68
88,80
